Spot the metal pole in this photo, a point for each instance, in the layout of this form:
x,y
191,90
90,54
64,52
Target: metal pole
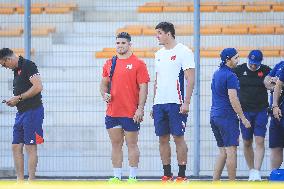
x,y
27,29
196,113
27,43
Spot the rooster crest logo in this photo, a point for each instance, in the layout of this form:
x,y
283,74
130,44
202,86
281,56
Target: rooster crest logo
x,y
129,66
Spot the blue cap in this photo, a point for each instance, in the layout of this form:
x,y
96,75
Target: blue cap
x,y
255,57
227,53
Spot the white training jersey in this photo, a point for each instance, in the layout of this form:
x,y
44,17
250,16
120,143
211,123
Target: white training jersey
x,y
169,67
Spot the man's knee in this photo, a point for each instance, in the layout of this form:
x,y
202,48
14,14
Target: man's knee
x,y
223,154
117,141
164,139
259,141
276,153
31,149
231,151
117,144
247,143
132,145
179,140
17,148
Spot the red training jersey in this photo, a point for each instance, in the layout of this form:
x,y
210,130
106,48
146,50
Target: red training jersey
x,y
128,74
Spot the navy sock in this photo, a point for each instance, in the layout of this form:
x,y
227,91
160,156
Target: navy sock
x,y
167,170
181,171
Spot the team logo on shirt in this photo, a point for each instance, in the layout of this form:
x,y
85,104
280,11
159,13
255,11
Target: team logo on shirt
x,y
129,66
245,73
260,74
19,72
173,57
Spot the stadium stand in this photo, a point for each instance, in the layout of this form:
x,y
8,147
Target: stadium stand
x,y
213,29
21,51
212,6
18,31
38,8
211,52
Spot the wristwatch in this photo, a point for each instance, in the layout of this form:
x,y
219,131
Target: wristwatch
x,y
20,98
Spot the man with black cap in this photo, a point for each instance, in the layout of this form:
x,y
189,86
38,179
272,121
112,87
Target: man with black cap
x,y
125,104
254,101
225,113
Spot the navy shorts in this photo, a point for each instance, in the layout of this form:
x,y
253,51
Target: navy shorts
x,y
258,121
28,126
168,120
226,130
276,133
125,123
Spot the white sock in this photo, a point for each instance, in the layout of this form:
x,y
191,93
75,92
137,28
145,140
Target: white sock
x,y
117,172
133,172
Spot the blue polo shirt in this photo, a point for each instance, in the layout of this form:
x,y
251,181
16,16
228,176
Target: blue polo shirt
x,y
223,79
281,75
275,72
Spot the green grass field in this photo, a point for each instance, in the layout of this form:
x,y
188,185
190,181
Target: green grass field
x,y
140,185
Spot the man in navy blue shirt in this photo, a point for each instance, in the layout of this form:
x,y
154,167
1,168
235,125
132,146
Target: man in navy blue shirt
x,y
276,129
225,113
254,102
27,130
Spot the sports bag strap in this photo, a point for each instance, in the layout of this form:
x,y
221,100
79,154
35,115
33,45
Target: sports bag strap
x,y
113,63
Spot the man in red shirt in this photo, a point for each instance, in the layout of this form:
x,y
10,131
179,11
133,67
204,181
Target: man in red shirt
x,y
125,104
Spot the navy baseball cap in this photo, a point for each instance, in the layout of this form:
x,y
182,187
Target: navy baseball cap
x,y
255,57
228,53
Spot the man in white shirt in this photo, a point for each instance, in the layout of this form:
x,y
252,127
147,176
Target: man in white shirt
x,y
173,64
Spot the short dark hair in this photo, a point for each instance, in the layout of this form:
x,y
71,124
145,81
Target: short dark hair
x,y
124,35
5,52
167,27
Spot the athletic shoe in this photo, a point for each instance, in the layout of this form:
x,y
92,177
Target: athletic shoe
x,y
254,175
181,179
114,180
251,175
257,176
132,180
167,178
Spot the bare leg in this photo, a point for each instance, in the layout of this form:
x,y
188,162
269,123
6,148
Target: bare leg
x,y
165,149
220,163
231,162
249,154
33,159
276,157
133,150
259,151
19,160
116,136
181,149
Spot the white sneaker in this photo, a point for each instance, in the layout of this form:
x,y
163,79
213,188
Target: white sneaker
x,y
251,175
254,175
257,175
